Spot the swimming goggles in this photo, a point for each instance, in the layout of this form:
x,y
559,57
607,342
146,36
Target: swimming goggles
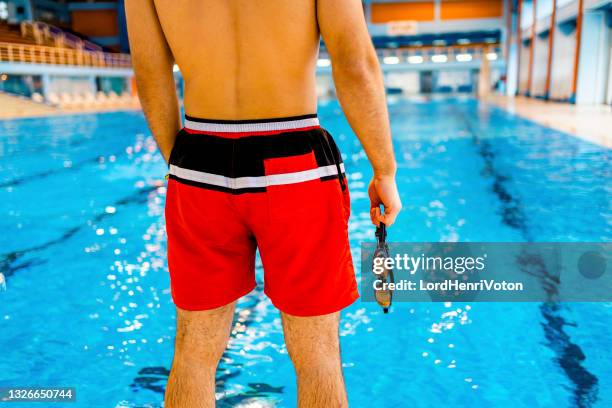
x,y
384,297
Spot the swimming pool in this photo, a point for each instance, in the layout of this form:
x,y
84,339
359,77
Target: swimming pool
x,y
87,300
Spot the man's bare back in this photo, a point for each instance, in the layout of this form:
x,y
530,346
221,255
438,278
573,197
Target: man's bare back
x,y
244,59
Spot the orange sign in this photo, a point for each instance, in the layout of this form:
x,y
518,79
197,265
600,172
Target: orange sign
x,y
404,27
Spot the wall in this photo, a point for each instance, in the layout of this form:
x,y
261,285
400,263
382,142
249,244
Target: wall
x,y
593,59
409,82
594,79
426,10
609,25
455,81
99,22
609,96
458,9
95,23
540,66
526,14
109,84
20,84
71,85
543,8
512,74
525,60
563,62
527,19
385,12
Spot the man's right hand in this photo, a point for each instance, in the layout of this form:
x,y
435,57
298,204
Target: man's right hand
x,y
383,191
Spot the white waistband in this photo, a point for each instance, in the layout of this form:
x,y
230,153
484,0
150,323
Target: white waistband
x,y
251,127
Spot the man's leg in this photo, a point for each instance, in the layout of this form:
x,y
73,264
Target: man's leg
x,y
201,338
314,347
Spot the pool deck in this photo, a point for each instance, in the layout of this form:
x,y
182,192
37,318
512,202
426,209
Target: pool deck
x,y
591,123
14,107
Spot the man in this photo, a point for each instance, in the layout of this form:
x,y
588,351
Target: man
x,y
253,169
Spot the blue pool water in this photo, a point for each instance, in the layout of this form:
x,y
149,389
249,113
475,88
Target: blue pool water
x,y
87,302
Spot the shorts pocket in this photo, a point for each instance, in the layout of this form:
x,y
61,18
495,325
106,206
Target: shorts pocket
x,y
293,186
342,180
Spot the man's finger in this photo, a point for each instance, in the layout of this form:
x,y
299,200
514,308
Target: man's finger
x,y
389,216
375,202
375,215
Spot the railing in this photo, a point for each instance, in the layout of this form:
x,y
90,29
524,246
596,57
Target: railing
x,y
461,53
431,54
417,55
40,54
43,33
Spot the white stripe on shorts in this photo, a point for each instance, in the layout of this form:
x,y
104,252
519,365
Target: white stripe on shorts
x,y
257,181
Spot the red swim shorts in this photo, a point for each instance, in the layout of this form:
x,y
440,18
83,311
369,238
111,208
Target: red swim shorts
x,y
275,185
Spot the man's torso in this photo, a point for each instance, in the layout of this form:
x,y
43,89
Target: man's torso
x,y
244,59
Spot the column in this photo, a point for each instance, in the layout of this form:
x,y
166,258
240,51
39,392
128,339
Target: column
x,y
518,45
531,49
551,44
577,52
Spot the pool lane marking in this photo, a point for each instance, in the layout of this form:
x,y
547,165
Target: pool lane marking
x,y
46,173
512,213
8,259
569,354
